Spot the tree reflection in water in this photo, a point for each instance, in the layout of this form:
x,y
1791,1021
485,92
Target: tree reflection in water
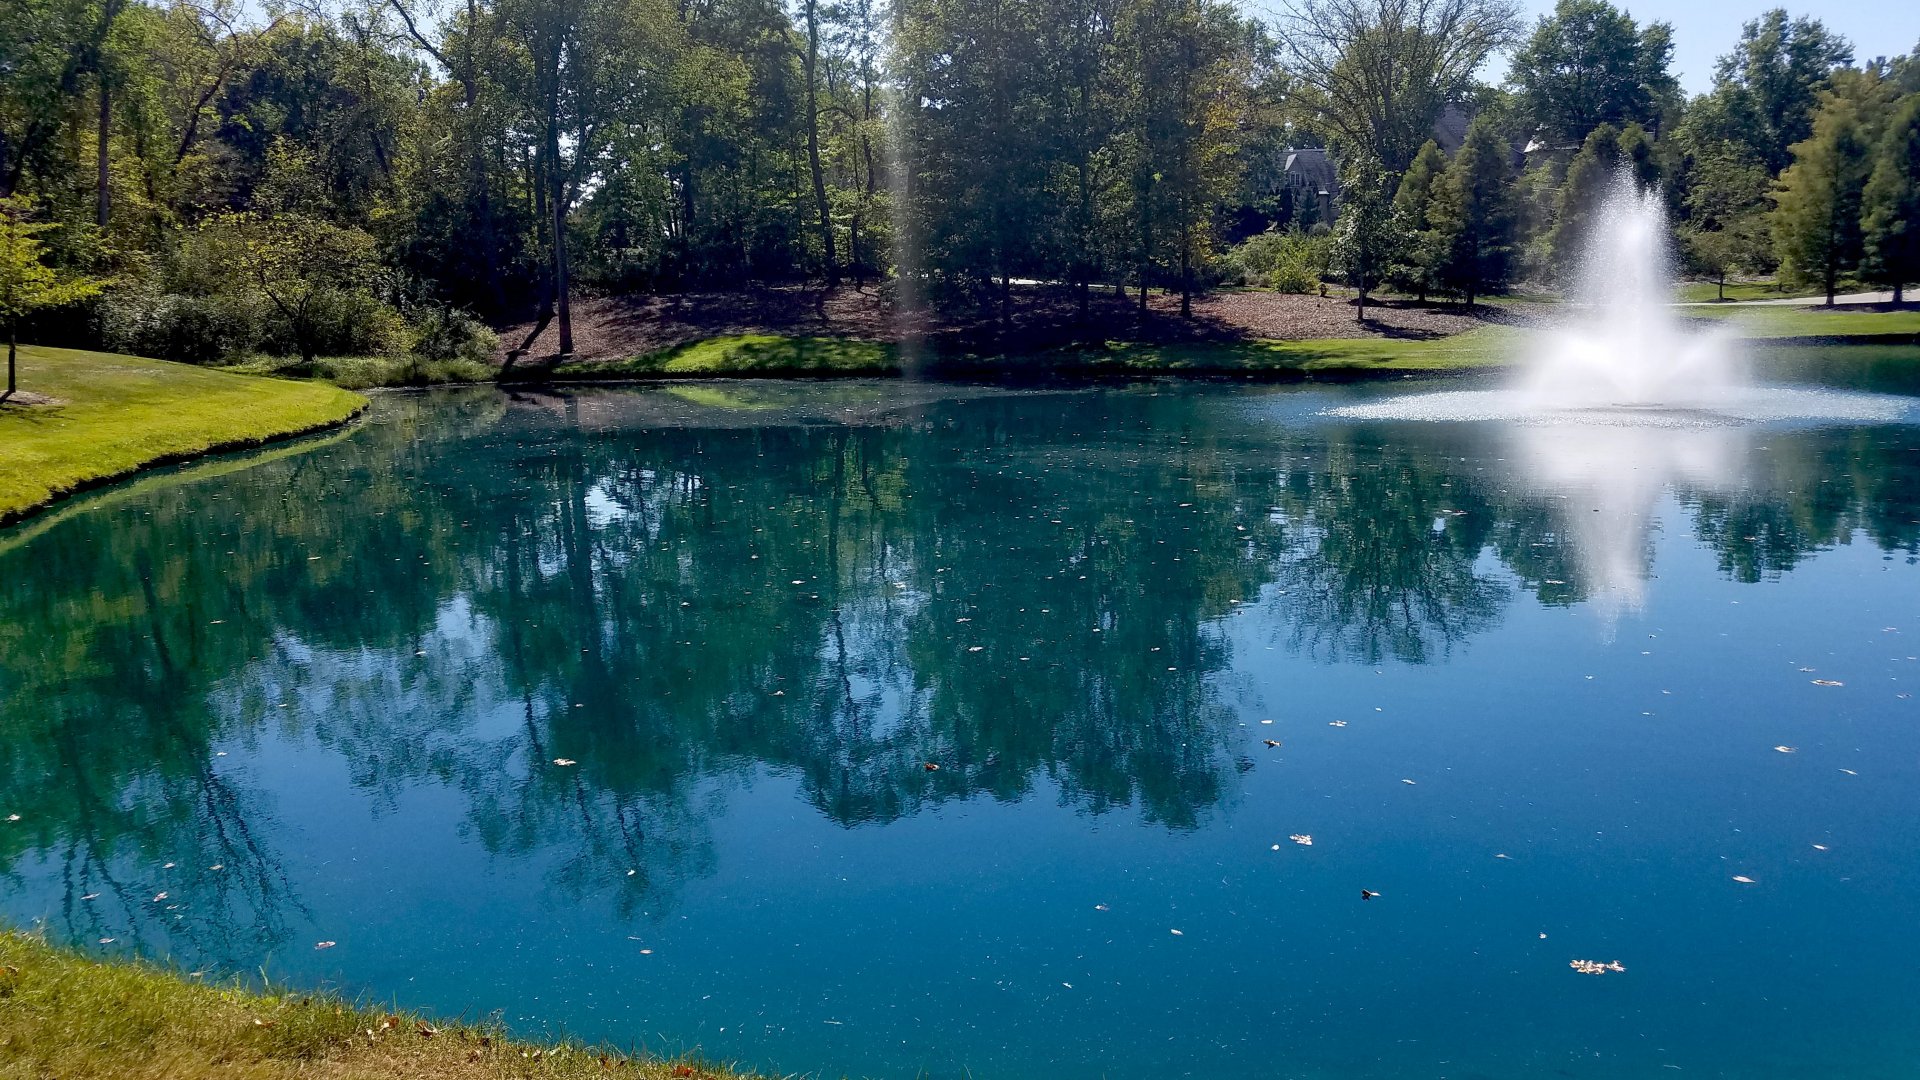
x,y
679,590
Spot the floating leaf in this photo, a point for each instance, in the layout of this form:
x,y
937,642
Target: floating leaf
x,y
1788,749
564,761
1336,723
1302,839
1594,967
325,944
1409,782
1828,682
1176,933
1743,879
1271,743
931,767
1368,894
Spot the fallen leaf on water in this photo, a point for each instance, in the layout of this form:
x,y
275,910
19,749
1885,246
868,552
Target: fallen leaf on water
x,y
91,896
564,761
13,817
1503,855
1828,682
1743,879
1266,721
1368,894
1594,967
646,952
931,767
1406,781
1788,749
325,944
1302,839
975,648
1068,985
1819,847
1100,907
157,897
1176,933
106,941
1849,772
1271,743
1336,723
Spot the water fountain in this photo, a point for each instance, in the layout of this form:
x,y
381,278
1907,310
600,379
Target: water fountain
x,y
1622,402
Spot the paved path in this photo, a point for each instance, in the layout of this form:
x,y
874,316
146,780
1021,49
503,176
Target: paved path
x,y
1798,301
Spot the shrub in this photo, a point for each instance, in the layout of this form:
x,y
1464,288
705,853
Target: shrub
x,y
174,326
446,333
1289,261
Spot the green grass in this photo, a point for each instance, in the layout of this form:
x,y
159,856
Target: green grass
x,y
367,372
741,355
1482,348
114,415
1706,292
62,1015
1777,323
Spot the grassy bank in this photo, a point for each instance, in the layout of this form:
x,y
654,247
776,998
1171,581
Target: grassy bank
x,y
1786,323
114,415
65,1016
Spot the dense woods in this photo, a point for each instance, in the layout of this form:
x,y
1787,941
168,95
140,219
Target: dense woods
x,y
209,180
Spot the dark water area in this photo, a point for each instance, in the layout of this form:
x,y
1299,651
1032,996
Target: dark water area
x,y
615,712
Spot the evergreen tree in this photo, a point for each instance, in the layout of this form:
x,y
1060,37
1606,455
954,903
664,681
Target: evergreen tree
x,y
1891,202
1589,178
1367,237
1816,224
1420,259
1472,214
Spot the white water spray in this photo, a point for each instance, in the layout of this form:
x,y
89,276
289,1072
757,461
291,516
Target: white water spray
x,y
1623,347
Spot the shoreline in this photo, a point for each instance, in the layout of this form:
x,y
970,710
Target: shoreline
x,y
71,1015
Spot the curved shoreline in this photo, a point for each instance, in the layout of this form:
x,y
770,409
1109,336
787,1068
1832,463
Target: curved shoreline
x,y
116,417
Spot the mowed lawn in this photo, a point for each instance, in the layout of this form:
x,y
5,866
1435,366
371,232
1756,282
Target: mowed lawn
x,y
112,415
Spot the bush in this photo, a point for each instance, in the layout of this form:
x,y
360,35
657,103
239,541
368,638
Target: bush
x,y
445,333
173,326
1290,261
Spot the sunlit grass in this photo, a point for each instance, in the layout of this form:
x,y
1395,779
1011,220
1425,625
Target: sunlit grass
x,y
1486,347
115,414
744,354
62,1015
1773,322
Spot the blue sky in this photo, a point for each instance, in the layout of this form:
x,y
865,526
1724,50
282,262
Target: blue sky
x,y
1704,29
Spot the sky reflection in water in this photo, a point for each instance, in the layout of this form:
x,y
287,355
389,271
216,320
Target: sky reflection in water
x,y
330,690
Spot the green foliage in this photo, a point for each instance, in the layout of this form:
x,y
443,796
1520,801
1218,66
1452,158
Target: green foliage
x,y
1284,260
1369,237
27,283
1767,89
1589,64
1590,176
1817,221
1890,203
1472,215
1418,268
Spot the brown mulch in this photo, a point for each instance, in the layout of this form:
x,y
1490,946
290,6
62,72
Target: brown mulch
x,y
1042,316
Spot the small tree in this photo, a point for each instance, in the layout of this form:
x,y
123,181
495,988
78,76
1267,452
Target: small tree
x,y
1739,248
1367,239
296,261
1890,223
27,284
1472,215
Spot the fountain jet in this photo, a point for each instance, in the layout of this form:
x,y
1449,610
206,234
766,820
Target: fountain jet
x,y
1623,347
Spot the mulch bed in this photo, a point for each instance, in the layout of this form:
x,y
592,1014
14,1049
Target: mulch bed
x,y
617,327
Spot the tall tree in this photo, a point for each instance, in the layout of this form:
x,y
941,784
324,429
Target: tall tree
x,y
1375,74
1473,216
1816,224
1766,90
1589,64
1413,205
1589,177
1891,202
1367,237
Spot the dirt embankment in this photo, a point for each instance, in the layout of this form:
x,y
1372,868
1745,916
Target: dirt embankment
x,y
1041,317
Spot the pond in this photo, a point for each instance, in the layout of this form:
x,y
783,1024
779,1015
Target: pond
x,y
892,729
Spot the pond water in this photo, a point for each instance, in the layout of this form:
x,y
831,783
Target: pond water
x,y
616,712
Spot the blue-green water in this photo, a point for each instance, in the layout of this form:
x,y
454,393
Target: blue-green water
x,y
1529,686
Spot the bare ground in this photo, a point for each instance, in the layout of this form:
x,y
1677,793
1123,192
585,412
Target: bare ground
x,y
1041,317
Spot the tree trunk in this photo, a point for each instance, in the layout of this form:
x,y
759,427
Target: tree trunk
x,y
105,194
813,143
557,203
1899,292
1186,278
13,347
1360,309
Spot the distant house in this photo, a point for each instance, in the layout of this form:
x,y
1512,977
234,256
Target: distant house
x,y
1314,176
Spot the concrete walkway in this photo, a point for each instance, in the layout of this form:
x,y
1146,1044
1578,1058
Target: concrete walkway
x,y
1799,301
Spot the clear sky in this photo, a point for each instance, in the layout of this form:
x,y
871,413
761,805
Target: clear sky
x,y
1704,29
